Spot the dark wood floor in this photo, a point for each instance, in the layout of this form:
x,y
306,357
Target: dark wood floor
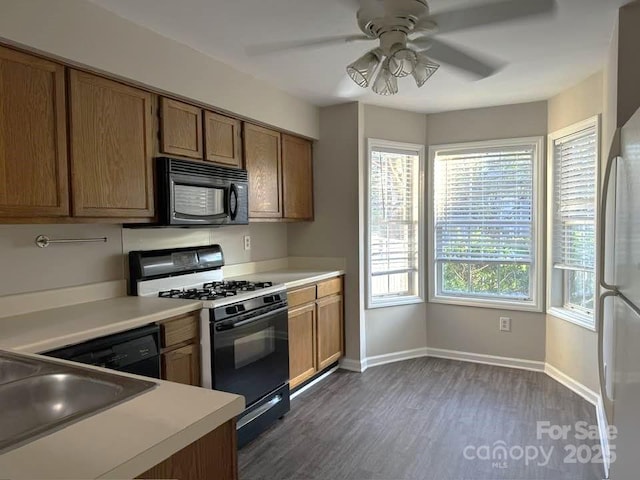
x,y
414,420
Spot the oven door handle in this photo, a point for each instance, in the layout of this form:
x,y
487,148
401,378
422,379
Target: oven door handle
x,y
224,326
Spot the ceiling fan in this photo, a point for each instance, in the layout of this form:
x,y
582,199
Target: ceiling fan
x,y
405,31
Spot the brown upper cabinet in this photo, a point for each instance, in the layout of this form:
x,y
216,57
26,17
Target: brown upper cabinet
x,y
223,140
111,132
297,178
263,162
181,129
33,137
280,175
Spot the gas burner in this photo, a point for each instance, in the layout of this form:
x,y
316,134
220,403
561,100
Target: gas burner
x,y
195,294
236,286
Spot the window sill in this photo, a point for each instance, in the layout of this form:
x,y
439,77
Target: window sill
x,y
487,303
575,318
394,302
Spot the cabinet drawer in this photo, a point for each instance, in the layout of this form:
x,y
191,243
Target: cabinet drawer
x,y
301,296
180,329
329,287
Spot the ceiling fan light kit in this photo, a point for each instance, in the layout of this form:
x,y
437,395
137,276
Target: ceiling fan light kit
x,y
406,30
402,62
423,71
386,83
361,71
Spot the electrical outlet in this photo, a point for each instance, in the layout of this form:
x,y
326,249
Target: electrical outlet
x,y
505,324
247,242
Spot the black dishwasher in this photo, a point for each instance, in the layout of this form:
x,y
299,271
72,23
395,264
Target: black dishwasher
x,y
134,351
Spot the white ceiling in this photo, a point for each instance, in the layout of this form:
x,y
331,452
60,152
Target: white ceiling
x,y
543,56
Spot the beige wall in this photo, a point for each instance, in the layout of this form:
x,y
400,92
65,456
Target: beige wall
x,y
570,348
268,240
336,229
509,121
470,329
467,329
27,268
82,32
404,327
580,102
628,94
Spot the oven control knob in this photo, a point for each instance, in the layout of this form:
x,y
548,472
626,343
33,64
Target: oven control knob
x,y
272,299
234,309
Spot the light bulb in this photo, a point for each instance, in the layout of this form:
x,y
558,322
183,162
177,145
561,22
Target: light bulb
x,y
402,62
361,71
386,83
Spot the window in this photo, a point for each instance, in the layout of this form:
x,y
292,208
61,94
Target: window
x,y
484,223
572,209
394,223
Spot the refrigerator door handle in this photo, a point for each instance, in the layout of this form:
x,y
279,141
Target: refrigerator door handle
x,y
603,223
606,400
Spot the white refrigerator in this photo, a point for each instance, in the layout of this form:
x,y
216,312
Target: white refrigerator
x,y
619,308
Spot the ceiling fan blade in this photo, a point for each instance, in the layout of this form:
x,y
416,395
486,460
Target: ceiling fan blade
x,y
457,58
491,13
277,47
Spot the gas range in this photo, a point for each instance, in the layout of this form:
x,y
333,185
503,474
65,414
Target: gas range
x,y
216,290
192,274
243,327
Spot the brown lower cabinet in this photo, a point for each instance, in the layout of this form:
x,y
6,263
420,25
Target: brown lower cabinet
x,y
330,326
316,326
180,354
302,345
213,456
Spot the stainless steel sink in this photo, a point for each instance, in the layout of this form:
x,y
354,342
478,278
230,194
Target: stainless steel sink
x,y
14,369
40,396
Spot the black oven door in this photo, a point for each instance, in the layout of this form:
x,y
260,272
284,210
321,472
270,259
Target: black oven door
x,y
250,357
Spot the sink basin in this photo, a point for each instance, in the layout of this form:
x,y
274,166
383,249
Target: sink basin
x,y
39,397
13,369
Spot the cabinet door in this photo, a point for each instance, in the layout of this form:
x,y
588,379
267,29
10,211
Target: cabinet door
x,y
297,178
329,330
263,163
33,137
182,365
111,148
302,350
213,456
181,129
223,140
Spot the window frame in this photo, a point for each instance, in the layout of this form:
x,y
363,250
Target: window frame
x,y
557,277
372,144
537,266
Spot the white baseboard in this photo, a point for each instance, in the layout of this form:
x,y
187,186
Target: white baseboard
x,y
487,359
573,385
353,365
395,357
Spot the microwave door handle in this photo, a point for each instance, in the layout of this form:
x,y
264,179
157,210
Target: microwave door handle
x,y
233,193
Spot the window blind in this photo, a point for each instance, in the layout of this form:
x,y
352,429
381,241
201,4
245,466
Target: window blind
x,y
483,204
393,211
575,198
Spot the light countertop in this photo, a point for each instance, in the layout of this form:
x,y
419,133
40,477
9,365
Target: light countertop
x,y
126,440
45,330
291,278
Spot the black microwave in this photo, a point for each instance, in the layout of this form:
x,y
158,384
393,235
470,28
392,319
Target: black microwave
x,y
196,194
